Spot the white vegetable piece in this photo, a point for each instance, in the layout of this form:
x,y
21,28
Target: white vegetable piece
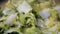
x,y
39,23
5,10
8,11
10,19
24,7
58,32
47,21
58,9
45,13
8,31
